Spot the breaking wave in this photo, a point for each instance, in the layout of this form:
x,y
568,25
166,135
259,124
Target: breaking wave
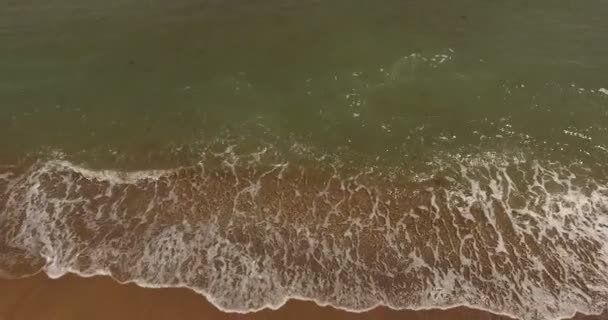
x,y
528,238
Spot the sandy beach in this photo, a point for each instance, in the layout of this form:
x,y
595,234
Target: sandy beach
x,y
73,297
415,155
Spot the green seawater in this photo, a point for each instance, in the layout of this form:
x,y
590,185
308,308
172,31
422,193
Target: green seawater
x,y
411,154
379,79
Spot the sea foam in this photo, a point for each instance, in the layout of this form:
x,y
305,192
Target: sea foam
x,y
488,231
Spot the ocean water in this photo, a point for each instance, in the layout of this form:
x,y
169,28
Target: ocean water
x,y
411,154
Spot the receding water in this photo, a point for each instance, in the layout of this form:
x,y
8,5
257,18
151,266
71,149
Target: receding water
x,y
413,154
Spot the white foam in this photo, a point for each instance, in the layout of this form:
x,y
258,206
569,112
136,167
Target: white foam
x,y
180,253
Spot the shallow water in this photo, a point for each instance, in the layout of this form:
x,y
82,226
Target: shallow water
x,y
413,154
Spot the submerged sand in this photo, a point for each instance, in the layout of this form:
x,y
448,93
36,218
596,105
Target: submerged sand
x,y
99,297
250,234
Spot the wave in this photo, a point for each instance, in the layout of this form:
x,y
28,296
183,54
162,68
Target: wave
x,y
496,232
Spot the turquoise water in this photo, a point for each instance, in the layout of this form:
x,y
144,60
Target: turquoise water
x,y
412,154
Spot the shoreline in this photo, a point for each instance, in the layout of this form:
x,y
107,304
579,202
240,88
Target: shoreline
x,y
283,185
102,297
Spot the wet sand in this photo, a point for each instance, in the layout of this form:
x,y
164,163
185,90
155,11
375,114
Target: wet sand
x,y
99,297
